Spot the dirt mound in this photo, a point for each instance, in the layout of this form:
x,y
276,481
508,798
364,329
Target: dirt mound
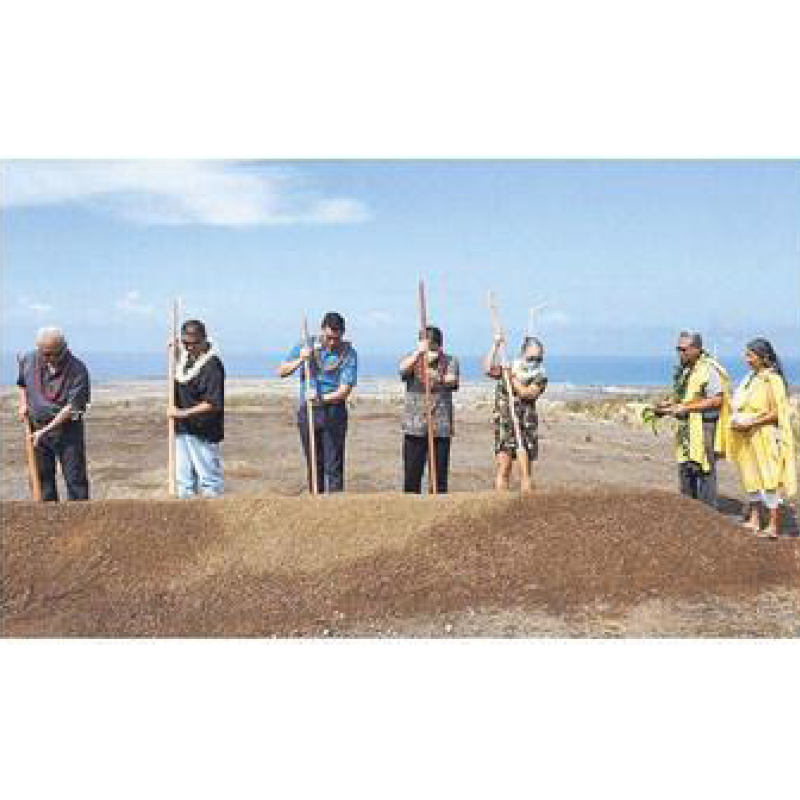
x,y
363,565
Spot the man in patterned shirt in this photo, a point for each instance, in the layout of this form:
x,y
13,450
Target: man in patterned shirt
x,y
443,376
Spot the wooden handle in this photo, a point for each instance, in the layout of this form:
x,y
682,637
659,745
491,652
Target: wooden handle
x,y
30,452
33,472
497,329
312,442
171,357
423,333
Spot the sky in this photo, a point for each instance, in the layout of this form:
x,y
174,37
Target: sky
x,y
622,253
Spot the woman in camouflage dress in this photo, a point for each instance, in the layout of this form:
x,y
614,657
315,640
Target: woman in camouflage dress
x,y
528,382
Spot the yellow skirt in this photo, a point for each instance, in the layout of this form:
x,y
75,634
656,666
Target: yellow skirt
x,y
757,454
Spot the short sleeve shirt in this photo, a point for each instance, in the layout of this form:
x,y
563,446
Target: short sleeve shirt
x,y
49,391
713,387
330,368
414,416
207,386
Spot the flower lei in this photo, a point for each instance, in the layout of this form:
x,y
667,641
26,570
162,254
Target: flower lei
x,y
343,353
680,381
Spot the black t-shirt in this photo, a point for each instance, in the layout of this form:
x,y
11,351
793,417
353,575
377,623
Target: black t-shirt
x,y
209,386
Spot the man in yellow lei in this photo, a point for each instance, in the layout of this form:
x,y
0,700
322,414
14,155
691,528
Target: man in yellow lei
x,y
700,404
761,439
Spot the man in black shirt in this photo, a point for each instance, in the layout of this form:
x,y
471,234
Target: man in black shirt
x,y
54,393
198,414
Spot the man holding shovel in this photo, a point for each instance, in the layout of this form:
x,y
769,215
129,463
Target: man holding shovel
x,y
54,392
198,414
332,365
443,377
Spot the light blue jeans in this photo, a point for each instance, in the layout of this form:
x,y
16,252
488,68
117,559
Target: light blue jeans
x,y
198,467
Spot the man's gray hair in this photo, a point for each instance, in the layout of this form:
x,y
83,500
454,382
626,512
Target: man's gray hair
x,y
50,334
695,339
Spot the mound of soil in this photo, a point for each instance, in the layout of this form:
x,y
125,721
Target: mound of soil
x,y
365,565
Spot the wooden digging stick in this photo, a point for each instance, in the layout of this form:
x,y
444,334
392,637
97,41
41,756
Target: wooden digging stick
x,y
531,314
30,452
426,382
522,453
171,358
312,441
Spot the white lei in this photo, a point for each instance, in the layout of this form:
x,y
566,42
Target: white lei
x,y
182,375
526,372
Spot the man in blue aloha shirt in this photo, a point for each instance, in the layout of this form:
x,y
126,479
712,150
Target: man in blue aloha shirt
x,y
332,364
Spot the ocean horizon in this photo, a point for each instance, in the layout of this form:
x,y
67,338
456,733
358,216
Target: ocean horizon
x,y
576,370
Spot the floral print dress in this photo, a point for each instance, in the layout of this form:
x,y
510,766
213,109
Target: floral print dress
x,y
504,439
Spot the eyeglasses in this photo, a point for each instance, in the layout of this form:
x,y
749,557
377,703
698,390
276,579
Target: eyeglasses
x,y
682,349
191,342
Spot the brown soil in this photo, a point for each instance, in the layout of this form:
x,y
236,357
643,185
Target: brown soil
x,y
562,563
127,452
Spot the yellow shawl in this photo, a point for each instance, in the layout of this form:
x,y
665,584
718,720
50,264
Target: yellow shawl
x,y
695,390
765,455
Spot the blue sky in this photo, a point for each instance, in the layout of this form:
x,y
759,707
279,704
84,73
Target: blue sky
x,y
624,253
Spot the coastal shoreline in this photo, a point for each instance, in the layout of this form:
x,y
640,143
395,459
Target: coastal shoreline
x,y
384,388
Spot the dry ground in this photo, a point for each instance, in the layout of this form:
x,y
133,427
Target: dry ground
x,y
608,563
604,548
126,442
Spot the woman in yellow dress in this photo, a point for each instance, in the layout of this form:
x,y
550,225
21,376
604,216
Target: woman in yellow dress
x,y
761,441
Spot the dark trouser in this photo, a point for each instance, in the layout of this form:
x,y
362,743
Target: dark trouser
x,y
695,483
330,431
415,456
65,444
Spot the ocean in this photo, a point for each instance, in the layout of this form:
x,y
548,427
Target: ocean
x,y
609,372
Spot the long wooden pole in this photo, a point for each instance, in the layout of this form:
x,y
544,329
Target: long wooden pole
x,y
312,439
532,311
172,355
30,453
426,382
522,453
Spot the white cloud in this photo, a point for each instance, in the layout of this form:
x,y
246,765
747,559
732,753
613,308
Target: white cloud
x,y
177,192
34,308
131,304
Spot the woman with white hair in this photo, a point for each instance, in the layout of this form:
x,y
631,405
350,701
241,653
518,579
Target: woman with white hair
x,y
761,440
54,393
